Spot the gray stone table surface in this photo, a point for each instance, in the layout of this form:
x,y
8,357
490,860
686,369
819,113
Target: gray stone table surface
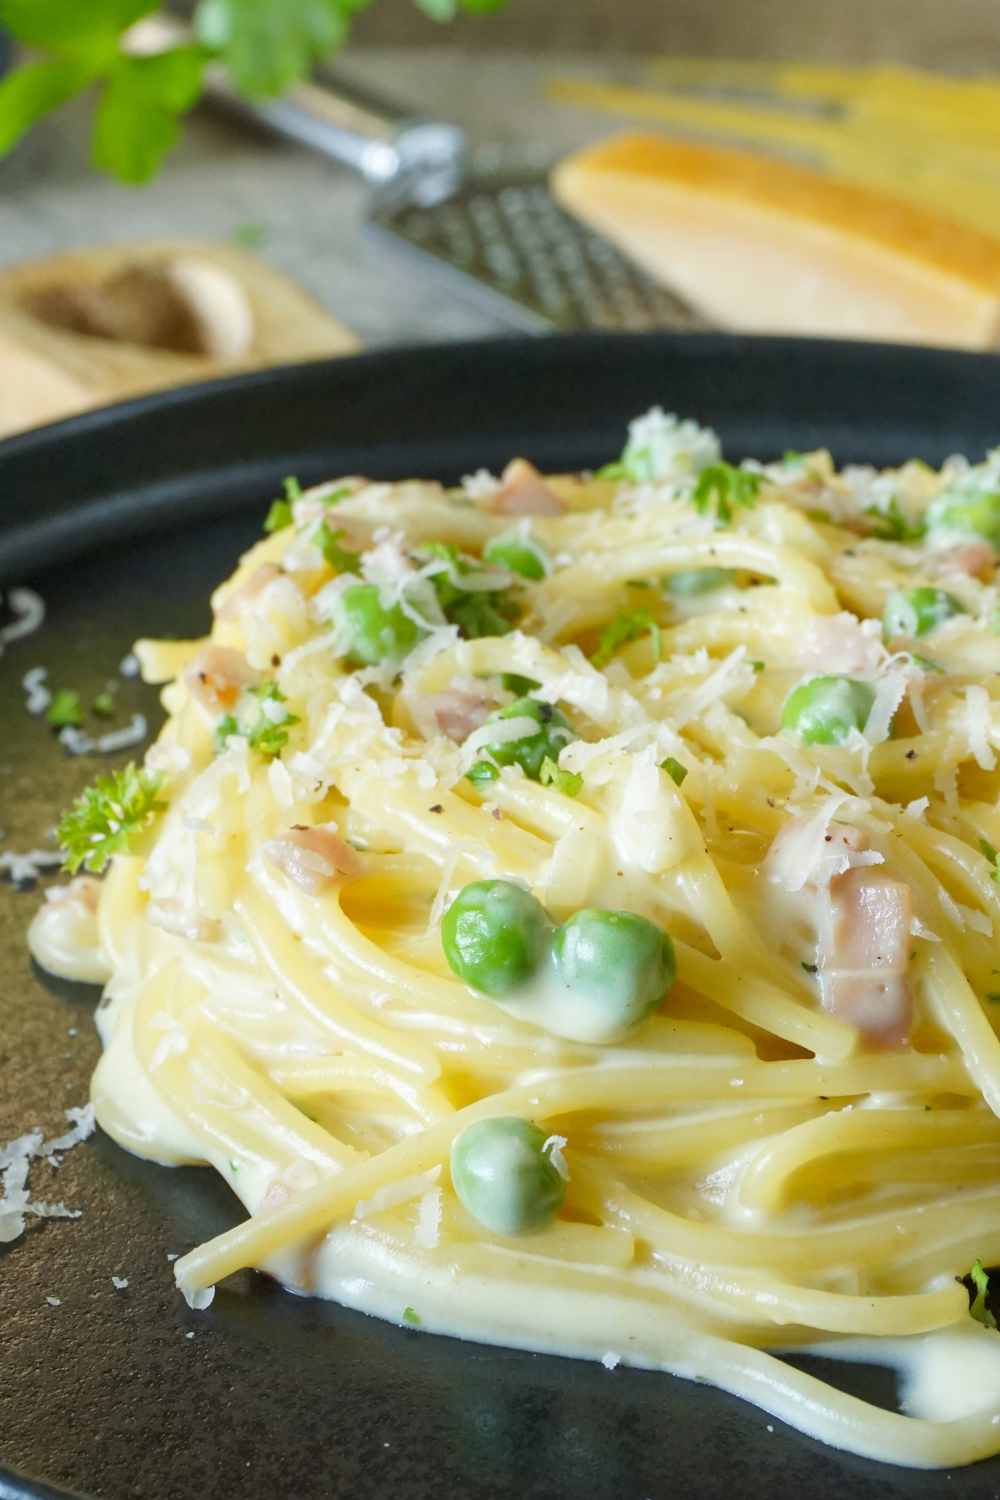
x,y
227,174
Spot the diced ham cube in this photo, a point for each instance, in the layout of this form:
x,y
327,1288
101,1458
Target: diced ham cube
x,y
864,954
313,857
523,492
217,676
457,713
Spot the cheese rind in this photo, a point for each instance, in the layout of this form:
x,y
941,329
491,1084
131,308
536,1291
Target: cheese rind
x,y
759,244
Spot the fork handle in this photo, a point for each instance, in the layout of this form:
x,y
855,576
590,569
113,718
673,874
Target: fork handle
x,y
378,139
374,136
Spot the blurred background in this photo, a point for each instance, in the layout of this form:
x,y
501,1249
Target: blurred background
x,y
780,166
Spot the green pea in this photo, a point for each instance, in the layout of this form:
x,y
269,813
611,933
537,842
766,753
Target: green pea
x,y
520,556
375,633
693,581
495,936
916,612
824,710
617,967
504,1176
966,512
553,733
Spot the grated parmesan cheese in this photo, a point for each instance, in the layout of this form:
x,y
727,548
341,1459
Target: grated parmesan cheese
x,y
119,1283
394,1193
427,1232
611,1360
27,867
481,485
36,695
553,1148
979,725
28,609
16,1203
77,742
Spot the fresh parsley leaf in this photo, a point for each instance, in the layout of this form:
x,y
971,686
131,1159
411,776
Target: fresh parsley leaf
x,y
891,525
266,45
987,849
730,487
674,770
138,117
280,514
758,666
107,816
266,731
65,711
476,612
570,783
411,1317
269,44
340,559
33,91
623,628
70,23
104,704
980,1287
617,470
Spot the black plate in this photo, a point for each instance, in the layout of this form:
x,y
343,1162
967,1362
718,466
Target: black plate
x,y
124,520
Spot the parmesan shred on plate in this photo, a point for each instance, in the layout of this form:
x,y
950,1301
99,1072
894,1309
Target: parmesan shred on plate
x,y
27,867
28,611
16,1203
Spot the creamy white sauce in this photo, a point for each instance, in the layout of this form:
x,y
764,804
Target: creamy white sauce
x,y
63,938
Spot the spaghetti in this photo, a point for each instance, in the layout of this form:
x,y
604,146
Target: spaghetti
x,y
570,923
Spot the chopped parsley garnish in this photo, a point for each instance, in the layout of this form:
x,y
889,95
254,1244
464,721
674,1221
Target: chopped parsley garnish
x,y
280,514
519,686
987,849
758,666
476,612
107,815
267,731
674,770
104,704
730,488
978,1282
817,513
793,459
623,628
340,559
65,712
891,525
411,1317
570,783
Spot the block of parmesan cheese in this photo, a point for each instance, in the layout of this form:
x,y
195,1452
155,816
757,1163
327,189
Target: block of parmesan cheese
x,y
755,243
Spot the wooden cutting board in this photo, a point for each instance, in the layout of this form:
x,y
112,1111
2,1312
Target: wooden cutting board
x,y
53,364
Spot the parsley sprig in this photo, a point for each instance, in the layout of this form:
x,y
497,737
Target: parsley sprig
x,y
626,626
264,730
265,46
728,487
107,816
